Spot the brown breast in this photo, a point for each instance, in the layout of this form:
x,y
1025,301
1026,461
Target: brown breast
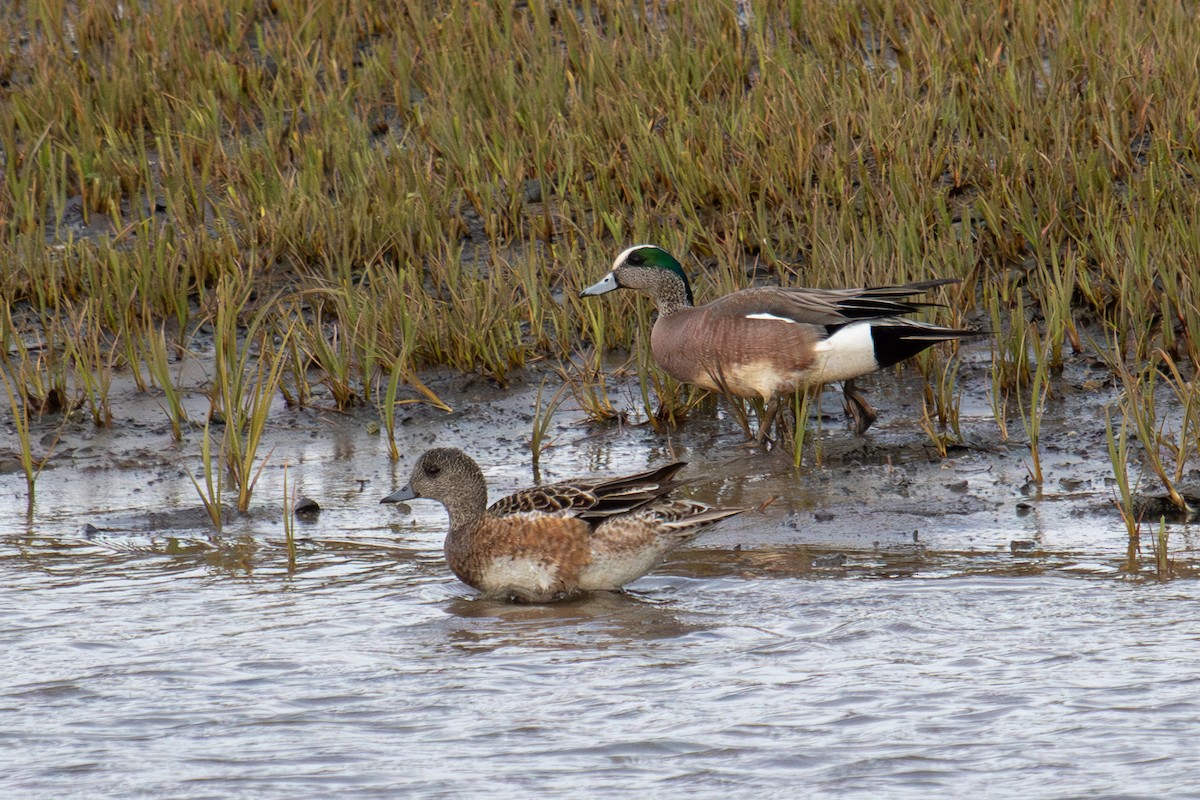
x,y
558,545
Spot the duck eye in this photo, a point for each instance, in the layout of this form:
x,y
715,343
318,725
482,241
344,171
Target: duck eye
x,y
432,470
635,259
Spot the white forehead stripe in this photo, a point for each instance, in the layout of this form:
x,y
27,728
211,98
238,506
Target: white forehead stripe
x,y
625,253
765,315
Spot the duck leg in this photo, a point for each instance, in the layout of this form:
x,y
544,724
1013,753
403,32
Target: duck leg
x,y
857,407
768,417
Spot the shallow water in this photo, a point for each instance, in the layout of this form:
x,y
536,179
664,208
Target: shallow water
x,y
890,624
374,675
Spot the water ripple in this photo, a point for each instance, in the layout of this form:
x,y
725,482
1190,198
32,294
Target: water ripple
x,y
370,673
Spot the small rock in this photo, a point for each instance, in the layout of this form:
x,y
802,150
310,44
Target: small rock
x,y
1020,546
533,191
307,507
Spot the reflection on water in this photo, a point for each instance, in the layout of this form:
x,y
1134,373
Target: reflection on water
x,y
192,670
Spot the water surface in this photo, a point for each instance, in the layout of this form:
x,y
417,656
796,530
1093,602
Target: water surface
x,y
375,675
891,624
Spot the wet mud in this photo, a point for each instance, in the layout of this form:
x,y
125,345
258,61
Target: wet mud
x,y
885,502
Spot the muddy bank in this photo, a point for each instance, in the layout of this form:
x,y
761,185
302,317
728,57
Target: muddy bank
x,y
855,500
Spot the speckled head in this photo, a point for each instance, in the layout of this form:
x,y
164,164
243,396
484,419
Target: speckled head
x,y
646,268
447,475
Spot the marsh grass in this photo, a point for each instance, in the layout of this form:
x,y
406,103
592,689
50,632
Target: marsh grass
x,y
745,412
158,364
1057,288
543,416
796,429
1032,408
666,402
1162,552
1012,367
1166,449
1123,496
212,492
289,519
92,360
329,347
387,411
248,371
30,465
39,366
942,400
999,402
448,176
587,381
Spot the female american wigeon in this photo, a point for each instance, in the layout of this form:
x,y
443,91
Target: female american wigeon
x,y
558,540
769,341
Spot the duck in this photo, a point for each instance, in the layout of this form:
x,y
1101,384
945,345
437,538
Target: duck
x,y
768,341
560,540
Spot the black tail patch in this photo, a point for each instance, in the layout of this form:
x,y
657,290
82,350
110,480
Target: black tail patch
x,y
894,342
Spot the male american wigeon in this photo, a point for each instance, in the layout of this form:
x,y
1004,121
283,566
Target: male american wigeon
x,y
769,341
558,540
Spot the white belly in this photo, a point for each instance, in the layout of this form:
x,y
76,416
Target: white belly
x,y
760,379
508,575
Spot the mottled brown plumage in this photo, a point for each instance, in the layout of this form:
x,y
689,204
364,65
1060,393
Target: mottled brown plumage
x,y
769,341
553,541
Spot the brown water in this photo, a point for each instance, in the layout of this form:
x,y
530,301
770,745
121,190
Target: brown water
x,y
816,645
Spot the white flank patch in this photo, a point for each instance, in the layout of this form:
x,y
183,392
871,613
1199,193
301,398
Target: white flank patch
x,y
847,354
765,315
506,574
607,572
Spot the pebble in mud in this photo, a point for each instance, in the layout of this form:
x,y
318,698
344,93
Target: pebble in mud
x,y
829,561
307,507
